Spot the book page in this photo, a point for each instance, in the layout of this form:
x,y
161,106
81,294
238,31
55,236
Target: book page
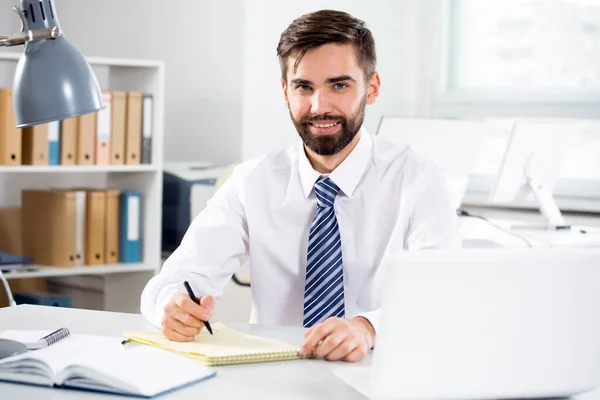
x,y
143,370
60,354
224,342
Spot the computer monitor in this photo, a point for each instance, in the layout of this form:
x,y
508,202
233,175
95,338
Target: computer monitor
x,y
452,144
531,165
485,324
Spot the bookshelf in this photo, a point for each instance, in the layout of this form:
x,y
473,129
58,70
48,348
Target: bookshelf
x,y
116,287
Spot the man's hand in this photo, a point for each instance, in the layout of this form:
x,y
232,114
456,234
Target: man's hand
x,y
340,339
183,318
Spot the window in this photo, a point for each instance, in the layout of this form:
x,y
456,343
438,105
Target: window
x,y
529,45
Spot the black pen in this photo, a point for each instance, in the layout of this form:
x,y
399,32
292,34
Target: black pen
x,y
195,300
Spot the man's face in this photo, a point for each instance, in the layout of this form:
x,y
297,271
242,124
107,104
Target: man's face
x,y
327,96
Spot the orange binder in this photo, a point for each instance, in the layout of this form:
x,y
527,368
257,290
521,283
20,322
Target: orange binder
x,y
95,229
68,141
118,127
86,139
35,145
49,226
103,131
133,141
111,255
10,137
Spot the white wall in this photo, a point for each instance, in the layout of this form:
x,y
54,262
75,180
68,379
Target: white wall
x,y
201,44
266,121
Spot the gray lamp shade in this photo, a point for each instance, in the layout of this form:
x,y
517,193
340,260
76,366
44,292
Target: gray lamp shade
x,y
52,81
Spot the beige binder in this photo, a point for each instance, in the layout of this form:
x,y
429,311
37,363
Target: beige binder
x,y
118,127
10,241
49,219
35,145
86,139
10,137
10,230
95,227
111,255
68,141
133,141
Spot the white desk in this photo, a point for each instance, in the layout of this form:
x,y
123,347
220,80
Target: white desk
x,y
474,229
298,379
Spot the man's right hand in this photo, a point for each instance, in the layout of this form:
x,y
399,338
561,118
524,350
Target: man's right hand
x,y
182,319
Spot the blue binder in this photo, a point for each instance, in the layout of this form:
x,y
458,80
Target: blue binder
x,y
54,143
130,227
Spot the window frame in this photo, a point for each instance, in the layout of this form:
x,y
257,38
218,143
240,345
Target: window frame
x,y
447,93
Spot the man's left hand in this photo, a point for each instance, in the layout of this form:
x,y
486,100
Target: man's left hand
x,y
340,339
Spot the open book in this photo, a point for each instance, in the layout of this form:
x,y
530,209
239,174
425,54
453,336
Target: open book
x,y
100,364
226,346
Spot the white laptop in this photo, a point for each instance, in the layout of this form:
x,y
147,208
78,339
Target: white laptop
x,y
486,324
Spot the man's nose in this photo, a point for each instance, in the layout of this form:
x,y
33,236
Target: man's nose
x,y
321,103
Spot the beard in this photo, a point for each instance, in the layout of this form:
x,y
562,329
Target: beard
x,y
328,145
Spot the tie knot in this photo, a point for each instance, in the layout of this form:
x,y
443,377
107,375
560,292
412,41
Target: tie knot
x,y
326,191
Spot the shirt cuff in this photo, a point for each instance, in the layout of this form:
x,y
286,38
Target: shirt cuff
x,y
154,313
373,318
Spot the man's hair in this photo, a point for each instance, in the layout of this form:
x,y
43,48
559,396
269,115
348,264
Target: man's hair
x,y
323,27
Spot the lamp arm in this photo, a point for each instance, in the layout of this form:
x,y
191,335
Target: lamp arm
x,y
11,300
27,35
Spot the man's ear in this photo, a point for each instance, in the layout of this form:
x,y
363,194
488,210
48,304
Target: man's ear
x,y
373,88
285,96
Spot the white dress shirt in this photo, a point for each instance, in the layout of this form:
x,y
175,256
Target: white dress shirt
x,y
390,200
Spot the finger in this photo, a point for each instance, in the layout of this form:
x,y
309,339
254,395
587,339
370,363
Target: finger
x,y
184,302
331,342
308,331
318,333
186,319
177,337
345,348
207,302
357,354
172,310
181,328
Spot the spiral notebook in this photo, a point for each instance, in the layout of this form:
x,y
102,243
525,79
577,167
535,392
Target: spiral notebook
x,y
226,346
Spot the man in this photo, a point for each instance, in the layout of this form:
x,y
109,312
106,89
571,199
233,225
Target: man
x,y
315,220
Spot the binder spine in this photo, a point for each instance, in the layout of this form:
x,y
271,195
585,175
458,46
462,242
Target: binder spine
x,y
81,200
103,132
130,227
54,143
147,115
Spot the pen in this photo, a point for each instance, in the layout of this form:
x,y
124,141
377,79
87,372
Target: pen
x,y
195,300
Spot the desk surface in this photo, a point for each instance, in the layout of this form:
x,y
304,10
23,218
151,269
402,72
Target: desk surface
x,y
298,379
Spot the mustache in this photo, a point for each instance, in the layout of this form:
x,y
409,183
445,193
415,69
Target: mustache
x,y
326,117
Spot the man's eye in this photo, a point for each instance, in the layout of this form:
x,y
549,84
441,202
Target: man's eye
x,y
340,86
303,87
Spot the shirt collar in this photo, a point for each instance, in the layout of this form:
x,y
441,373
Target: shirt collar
x,y
346,175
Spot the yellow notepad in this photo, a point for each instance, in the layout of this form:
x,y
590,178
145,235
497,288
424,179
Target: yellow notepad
x,y
226,346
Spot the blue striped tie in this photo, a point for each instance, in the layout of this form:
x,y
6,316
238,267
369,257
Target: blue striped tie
x,y
324,290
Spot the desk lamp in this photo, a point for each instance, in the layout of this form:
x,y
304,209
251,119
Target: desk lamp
x,y
52,82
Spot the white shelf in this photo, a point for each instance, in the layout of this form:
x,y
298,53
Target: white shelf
x,y
40,271
78,168
109,62
121,284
